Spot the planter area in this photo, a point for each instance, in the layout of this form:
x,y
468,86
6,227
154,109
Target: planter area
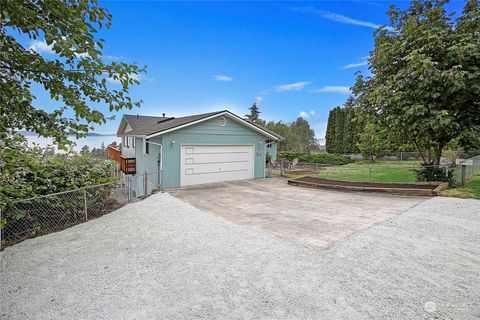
x,y
411,189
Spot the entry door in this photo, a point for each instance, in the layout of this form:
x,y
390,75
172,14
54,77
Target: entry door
x,y
214,163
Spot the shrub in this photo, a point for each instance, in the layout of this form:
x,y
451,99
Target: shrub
x,y
321,158
426,174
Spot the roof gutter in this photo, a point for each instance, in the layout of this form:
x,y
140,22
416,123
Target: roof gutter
x,y
231,115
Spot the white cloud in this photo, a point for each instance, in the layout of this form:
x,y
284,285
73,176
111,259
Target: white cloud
x,y
117,81
292,86
41,46
338,17
258,99
320,130
304,115
139,77
109,57
313,113
333,89
222,77
355,65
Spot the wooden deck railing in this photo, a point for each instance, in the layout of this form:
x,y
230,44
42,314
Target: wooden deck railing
x,y
128,165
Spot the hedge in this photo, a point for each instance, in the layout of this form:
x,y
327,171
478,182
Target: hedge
x,y
321,158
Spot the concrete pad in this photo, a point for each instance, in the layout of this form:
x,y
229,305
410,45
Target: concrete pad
x,y
309,217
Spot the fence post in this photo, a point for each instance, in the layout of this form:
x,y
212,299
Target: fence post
x,y
464,175
369,174
85,204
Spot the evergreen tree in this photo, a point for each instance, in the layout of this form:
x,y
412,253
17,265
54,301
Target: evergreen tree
x,y
339,130
330,134
254,113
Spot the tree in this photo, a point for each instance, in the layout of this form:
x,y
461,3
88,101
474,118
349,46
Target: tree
x,y
425,83
373,141
85,150
76,78
254,113
339,130
301,136
330,134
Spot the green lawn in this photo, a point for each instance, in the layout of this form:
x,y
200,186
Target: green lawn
x,y
471,189
364,171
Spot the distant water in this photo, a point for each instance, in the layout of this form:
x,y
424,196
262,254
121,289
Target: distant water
x,y
90,141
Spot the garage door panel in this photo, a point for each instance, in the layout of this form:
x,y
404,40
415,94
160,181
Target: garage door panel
x,y
215,163
206,149
217,157
219,167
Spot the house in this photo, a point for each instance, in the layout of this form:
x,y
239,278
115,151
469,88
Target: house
x,y
202,148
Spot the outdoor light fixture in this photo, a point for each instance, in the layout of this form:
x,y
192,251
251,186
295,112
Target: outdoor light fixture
x,y
173,143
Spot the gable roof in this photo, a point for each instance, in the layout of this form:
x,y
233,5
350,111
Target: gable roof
x,y
149,126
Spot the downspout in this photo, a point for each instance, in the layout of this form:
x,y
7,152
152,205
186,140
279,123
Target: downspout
x,y
161,160
267,145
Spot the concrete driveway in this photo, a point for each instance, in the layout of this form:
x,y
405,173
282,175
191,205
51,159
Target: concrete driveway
x,y
310,217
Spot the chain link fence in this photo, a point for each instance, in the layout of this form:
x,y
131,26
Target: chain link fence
x,y
364,172
29,218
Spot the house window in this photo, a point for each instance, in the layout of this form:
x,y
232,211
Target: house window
x,y
147,149
123,141
133,142
268,143
128,142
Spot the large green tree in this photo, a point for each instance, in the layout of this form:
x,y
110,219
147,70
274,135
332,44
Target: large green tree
x,y
425,82
76,78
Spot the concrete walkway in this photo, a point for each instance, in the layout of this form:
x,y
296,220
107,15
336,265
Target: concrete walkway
x,y
161,258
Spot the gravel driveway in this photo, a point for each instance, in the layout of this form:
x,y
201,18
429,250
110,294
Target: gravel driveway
x,y
161,258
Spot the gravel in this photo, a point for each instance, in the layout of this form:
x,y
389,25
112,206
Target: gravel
x,y
162,258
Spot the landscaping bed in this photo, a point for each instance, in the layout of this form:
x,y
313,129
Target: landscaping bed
x,y
420,189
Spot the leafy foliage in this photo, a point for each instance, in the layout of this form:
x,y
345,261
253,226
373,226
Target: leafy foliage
x,y
321,158
299,136
27,172
373,141
425,83
435,173
76,78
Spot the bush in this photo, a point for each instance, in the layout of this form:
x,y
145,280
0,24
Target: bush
x,y
427,174
321,158
27,172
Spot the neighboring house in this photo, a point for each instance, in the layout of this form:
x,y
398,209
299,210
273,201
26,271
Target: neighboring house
x,y
197,149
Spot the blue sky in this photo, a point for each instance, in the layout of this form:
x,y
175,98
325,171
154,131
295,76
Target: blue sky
x,y
293,58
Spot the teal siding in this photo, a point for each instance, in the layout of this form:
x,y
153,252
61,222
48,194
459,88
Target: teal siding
x,y
207,132
272,150
146,164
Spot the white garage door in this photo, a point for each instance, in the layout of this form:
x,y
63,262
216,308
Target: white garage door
x,y
214,163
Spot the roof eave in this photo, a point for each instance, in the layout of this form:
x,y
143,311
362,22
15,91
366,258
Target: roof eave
x,y
224,112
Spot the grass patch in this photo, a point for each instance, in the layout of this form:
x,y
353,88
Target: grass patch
x,y
365,171
471,189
